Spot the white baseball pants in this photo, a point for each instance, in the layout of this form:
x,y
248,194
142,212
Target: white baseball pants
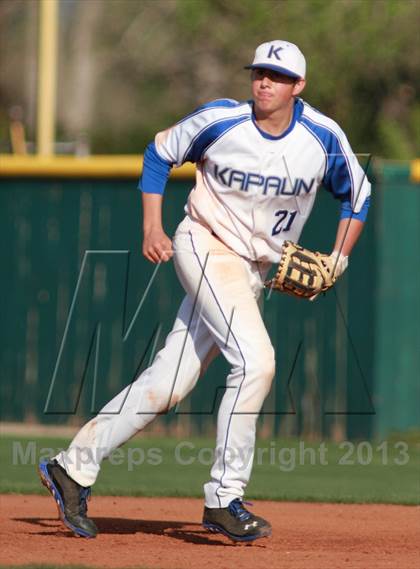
x,y
220,310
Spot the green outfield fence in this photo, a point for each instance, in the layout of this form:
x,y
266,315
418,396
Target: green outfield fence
x,y
78,320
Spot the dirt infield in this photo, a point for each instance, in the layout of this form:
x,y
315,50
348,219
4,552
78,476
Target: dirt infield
x,y
166,533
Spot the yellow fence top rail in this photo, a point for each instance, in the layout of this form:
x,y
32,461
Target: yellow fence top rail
x,y
102,166
110,166
415,170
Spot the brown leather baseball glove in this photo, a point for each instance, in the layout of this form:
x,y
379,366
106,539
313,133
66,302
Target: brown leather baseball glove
x,y
303,273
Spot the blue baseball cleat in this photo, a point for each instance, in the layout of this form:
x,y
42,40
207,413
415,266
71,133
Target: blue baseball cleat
x,y
236,522
70,497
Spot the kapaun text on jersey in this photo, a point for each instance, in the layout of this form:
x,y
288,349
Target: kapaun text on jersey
x,y
278,185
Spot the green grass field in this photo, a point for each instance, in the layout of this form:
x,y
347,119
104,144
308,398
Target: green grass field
x,y
283,469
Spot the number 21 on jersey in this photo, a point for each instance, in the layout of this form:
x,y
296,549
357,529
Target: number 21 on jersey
x,y
284,222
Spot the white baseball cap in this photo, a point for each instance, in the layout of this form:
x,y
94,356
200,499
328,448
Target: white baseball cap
x,y
281,56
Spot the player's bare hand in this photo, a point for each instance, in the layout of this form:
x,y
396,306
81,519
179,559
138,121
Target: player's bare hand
x,y
157,246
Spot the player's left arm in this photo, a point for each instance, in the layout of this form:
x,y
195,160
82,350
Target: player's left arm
x,y
348,233
348,182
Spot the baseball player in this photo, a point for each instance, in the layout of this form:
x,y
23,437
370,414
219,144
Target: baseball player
x,y
259,165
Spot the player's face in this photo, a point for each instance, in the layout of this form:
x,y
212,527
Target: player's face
x,y
273,91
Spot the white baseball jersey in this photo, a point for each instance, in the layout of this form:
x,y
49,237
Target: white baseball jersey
x,y
254,190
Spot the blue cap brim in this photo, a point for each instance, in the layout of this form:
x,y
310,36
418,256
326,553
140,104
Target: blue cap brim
x,y
274,68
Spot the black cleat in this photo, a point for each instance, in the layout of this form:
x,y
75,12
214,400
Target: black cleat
x,y
236,522
70,498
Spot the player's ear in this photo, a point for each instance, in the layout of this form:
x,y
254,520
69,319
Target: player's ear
x,y
299,87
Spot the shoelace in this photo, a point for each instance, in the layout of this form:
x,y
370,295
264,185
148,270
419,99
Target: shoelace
x,y
236,508
84,497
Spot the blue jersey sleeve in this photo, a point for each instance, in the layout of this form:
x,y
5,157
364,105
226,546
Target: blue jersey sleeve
x,y
343,175
155,172
346,210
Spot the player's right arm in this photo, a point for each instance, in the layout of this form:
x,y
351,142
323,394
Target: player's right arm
x,y
165,151
186,141
156,244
